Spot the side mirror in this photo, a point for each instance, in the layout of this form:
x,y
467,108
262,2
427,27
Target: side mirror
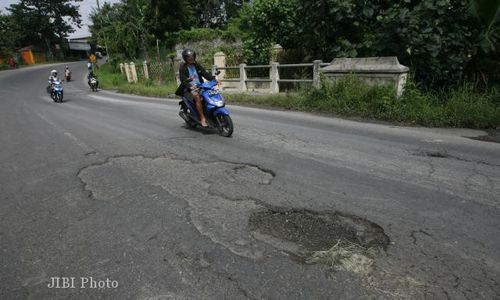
x,y
217,72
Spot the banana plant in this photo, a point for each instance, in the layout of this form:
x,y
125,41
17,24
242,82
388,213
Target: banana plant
x,y
488,13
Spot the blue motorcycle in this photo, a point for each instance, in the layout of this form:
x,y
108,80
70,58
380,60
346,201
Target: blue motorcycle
x,y
56,91
213,106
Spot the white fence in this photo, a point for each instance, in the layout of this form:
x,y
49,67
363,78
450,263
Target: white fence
x,y
241,82
275,77
270,83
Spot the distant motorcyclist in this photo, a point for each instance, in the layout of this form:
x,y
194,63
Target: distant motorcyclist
x,y
90,76
52,78
67,73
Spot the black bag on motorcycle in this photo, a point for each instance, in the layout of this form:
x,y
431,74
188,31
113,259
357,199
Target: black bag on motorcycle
x,y
180,90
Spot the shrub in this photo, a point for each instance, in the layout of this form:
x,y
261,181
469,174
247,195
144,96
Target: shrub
x,y
439,40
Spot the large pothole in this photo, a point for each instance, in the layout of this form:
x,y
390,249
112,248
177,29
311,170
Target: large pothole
x,y
223,208
343,242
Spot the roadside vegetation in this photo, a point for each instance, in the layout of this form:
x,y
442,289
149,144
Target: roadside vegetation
x,y
451,48
461,106
464,105
111,78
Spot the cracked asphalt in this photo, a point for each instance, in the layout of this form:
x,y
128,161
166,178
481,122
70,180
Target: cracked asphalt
x,y
113,186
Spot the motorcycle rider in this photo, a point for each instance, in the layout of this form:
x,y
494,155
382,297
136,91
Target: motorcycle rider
x,y
191,75
67,72
90,76
52,78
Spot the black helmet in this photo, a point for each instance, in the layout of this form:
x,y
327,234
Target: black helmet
x,y
188,52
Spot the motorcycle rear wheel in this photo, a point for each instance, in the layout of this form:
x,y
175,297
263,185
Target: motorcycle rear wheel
x,y
189,123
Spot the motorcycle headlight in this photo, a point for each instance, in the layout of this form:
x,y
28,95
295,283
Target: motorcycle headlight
x,y
216,102
216,99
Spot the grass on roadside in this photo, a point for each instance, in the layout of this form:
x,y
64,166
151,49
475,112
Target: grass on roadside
x,y
290,101
462,106
110,78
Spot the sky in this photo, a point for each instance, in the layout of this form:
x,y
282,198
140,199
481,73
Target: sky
x,y
86,7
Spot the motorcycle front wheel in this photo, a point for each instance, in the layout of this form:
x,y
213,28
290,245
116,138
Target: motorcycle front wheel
x,y
225,125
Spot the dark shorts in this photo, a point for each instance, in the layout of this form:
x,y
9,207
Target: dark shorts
x,y
189,94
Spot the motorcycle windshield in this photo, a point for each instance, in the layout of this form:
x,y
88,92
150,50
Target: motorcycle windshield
x,y
209,84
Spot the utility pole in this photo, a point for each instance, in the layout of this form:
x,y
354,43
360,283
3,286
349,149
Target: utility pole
x,y
158,50
104,33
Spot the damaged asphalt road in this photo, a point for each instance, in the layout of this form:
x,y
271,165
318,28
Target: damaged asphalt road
x,y
293,206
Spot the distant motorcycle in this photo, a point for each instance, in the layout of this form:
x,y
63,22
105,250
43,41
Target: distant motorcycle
x,y
56,92
67,75
93,83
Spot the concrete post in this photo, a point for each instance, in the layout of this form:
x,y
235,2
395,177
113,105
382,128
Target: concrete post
x,y
176,65
243,78
128,73
275,52
214,70
146,71
121,69
316,73
133,72
401,83
274,75
220,62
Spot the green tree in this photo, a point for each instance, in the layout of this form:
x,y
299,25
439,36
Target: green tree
x,y
265,22
43,23
166,16
8,35
438,39
122,27
213,13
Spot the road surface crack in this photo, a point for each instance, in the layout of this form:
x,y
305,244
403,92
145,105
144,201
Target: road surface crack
x,y
415,232
444,154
